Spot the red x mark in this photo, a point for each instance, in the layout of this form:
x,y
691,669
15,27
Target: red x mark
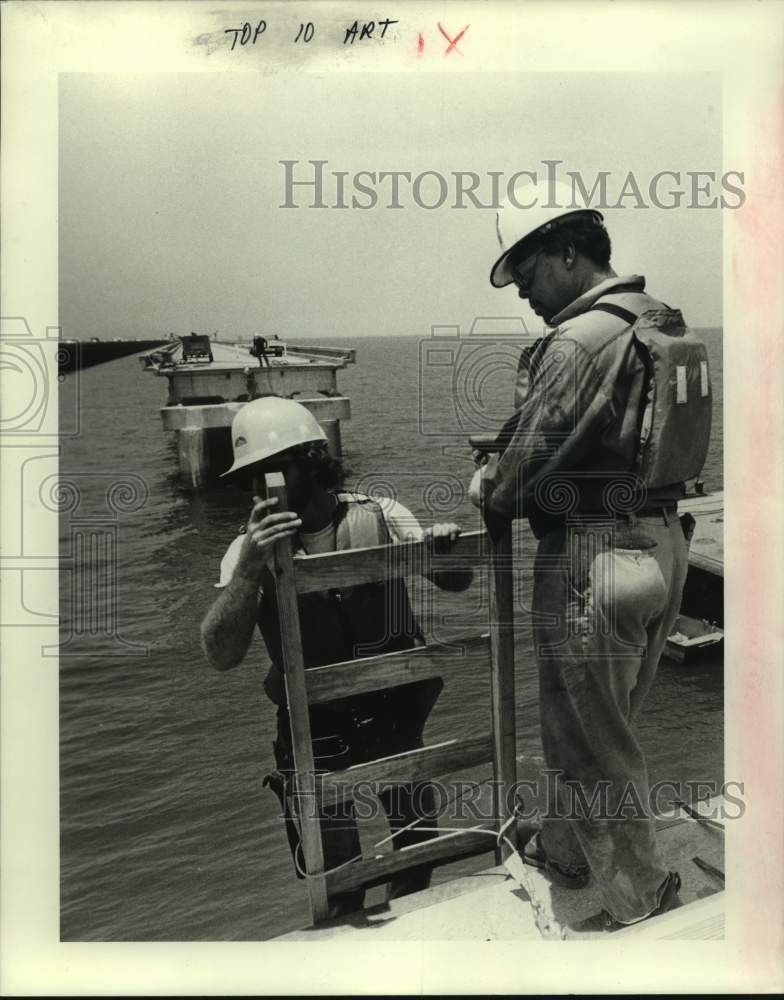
x,y
452,41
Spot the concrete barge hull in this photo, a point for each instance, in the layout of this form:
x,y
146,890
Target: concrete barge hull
x,y
209,381
217,385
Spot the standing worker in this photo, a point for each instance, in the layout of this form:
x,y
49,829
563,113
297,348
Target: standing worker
x,y
259,349
279,435
615,418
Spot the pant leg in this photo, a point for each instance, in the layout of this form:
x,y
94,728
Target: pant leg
x,y
412,806
594,602
339,835
397,722
660,628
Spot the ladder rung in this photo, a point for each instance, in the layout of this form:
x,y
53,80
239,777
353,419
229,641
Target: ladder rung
x,y
384,562
374,673
404,768
440,850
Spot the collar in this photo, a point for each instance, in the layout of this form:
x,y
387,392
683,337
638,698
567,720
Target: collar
x,y
627,283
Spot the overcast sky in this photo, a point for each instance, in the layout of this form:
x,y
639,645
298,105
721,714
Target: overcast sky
x,y
170,188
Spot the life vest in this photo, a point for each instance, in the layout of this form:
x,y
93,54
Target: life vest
x,y
338,625
527,367
676,419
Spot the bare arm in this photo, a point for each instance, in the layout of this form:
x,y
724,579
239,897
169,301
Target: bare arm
x,y
227,628
228,625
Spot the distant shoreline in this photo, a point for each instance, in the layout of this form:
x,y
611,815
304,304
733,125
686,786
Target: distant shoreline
x,y
330,338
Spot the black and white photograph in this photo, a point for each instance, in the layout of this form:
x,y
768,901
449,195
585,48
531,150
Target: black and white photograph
x,y
385,392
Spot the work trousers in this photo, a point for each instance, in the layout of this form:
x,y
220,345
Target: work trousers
x,y
355,731
606,595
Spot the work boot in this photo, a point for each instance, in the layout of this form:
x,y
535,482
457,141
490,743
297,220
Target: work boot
x,y
567,876
604,921
341,904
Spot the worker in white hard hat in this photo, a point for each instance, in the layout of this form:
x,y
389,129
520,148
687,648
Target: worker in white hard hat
x,y
274,434
615,417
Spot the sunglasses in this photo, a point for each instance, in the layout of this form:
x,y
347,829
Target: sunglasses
x,y
276,465
525,272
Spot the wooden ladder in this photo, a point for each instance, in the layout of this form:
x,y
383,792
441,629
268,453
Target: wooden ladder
x,y
307,574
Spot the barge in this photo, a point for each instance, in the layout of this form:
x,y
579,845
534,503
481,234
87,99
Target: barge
x,y
209,380
703,595
698,634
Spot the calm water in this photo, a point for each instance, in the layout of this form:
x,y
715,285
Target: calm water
x,y
166,831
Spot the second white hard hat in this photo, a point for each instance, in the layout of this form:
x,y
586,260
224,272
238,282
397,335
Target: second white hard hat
x,y
530,211
268,426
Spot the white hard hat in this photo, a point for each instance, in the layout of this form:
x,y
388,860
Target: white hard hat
x,y
534,210
268,426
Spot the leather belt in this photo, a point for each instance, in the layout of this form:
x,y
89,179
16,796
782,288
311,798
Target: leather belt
x,y
670,509
662,508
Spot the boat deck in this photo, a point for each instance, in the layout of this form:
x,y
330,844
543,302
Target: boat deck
x,y
233,357
707,545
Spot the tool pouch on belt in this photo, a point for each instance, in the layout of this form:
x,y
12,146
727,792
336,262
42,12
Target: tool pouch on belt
x,y
687,525
330,753
281,785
